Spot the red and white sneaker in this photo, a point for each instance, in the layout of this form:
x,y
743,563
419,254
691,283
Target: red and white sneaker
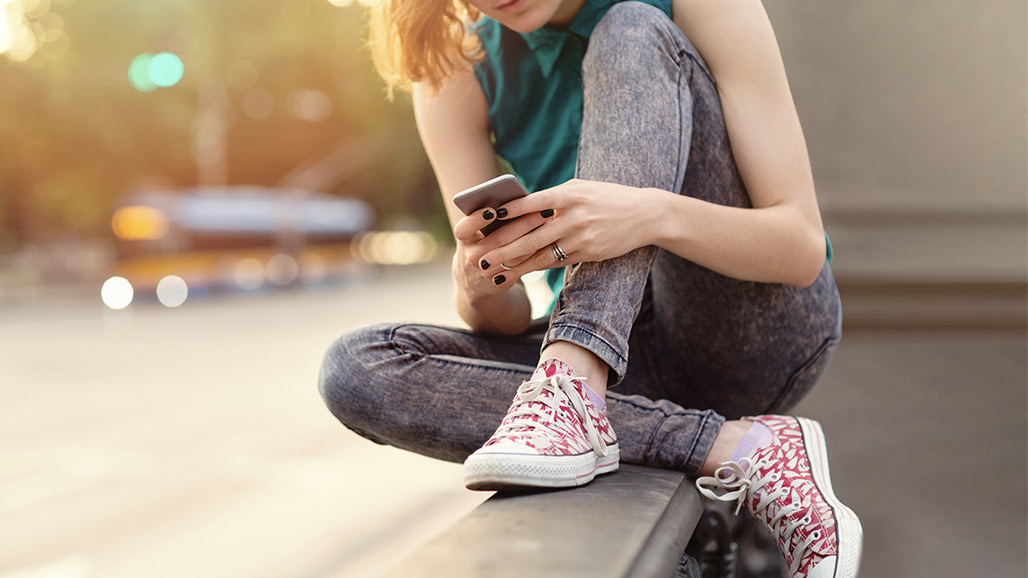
x,y
786,485
553,436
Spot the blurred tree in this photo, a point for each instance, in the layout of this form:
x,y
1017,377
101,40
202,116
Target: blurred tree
x,y
276,82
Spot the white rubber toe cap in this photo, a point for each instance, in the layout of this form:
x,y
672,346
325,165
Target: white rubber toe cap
x,y
824,569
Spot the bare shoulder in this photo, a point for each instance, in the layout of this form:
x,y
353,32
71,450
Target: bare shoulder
x,y
460,101
735,38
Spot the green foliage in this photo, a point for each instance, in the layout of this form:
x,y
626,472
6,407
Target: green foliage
x,y
75,136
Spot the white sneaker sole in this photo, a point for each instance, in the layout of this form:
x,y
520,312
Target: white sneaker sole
x,y
850,533
502,471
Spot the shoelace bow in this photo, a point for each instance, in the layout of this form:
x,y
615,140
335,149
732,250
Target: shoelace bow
x,y
736,479
530,395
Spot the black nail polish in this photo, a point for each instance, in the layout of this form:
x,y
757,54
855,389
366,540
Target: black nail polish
x,y
485,265
499,279
501,213
547,213
488,215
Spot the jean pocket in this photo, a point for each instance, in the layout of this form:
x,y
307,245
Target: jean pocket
x,y
806,377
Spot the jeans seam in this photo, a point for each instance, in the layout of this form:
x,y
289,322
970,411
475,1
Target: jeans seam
x,y
450,361
661,410
395,346
676,36
684,46
790,383
675,186
698,64
400,351
649,442
696,440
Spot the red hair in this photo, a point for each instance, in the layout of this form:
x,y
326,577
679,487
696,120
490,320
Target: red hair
x,y
422,41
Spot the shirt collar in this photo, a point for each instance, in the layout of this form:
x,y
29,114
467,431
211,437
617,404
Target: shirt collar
x,y
547,42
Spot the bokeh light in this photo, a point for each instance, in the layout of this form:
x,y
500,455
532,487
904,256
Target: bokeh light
x,y
396,247
139,73
166,69
27,26
117,293
56,44
282,269
6,26
172,291
309,104
149,71
139,223
248,274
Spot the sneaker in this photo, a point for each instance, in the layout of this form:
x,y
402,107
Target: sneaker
x,y
787,487
552,437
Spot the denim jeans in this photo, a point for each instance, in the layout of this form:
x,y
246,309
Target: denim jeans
x,y
704,347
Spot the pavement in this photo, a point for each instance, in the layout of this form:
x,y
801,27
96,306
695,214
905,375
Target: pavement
x,y
192,442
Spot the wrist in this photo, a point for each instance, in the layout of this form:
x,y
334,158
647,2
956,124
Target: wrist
x,y
480,301
662,221
507,313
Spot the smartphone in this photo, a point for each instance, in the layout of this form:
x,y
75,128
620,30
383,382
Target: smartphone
x,y
494,193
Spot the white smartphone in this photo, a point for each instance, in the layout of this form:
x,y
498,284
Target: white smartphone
x,y
493,193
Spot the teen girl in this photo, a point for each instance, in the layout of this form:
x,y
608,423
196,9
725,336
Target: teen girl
x,y
673,189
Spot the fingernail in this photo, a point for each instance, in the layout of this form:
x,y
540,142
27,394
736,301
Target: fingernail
x,y
485,264
499,279
547,213
501,213
488,215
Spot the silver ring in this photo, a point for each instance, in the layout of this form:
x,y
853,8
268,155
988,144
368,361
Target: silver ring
x,y
558,253
506,268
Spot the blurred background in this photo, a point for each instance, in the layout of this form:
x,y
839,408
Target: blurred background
x,y
196,198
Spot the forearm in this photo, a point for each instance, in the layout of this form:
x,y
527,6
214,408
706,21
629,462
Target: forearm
x,y
509,313
771,245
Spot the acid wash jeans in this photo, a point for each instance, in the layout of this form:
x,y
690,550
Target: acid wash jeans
x,y
704,347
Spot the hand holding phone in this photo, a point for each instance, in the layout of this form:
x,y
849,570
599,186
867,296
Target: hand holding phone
x,y
492,193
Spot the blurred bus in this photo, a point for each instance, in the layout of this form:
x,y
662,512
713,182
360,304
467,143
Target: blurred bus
x,y
236,237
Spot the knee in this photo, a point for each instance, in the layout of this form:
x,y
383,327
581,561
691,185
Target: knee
x,y
630,31
631,16
635,38
346,372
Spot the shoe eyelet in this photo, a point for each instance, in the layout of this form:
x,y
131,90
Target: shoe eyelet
x,y
817,535
806,520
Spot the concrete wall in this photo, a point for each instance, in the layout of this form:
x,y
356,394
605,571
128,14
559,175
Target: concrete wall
x,y
920,99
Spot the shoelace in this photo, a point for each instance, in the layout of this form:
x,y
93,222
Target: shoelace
x,y
735,479
531,392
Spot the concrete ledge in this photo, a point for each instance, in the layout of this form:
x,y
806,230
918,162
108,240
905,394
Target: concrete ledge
x,y
631,524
